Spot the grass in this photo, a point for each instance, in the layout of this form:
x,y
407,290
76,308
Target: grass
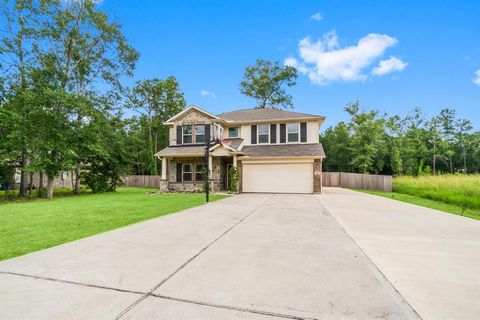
x,y
34,225
428,203
457,194
458,190
11,196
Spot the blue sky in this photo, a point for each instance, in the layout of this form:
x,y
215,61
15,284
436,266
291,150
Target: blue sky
x,y
430,51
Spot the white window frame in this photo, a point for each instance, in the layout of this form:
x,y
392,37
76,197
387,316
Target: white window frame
x,y
195,128
183,172
183,134
238,132
297,132
195,174
268,134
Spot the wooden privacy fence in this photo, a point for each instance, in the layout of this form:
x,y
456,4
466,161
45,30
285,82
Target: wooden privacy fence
x,y
142,181
357,181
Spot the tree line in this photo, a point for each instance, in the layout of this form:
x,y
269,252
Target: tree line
x,y
63,106
372,142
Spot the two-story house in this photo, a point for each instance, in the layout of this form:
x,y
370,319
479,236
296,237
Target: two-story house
x,y
274,151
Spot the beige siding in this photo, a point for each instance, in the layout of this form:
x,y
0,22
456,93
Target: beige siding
x,y
313,129
172,136
245,132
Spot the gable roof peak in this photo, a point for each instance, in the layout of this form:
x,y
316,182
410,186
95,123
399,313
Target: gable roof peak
x,y
188,109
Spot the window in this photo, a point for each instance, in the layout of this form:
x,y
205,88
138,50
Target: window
x,y
292,129
199,174
263,133
187,172
200,134
233,132
187,134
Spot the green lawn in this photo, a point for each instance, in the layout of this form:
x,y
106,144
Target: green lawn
x,y
33,225
458,190
437,205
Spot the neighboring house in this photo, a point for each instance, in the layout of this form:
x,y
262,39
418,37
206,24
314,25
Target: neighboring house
x,y
274,151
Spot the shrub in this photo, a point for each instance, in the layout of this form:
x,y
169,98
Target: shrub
x,y
233,179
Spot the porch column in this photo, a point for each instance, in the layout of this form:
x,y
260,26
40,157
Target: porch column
x,y
163,178
164,168
210,167
234,160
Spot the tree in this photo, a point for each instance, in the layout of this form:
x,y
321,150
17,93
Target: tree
x,y
415,150
447,122
266,82
157,101
84,48
18,52
463,127
394,137
366,141
114,155
336,141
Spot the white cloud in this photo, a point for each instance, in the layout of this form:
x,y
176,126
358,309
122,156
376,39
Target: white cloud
x,y
324,60
389,65
317,16
206,93
476,78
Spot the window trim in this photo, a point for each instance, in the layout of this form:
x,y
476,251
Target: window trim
x,y
195,174
190,172
297,132
204,132
268,133
238,132
183,134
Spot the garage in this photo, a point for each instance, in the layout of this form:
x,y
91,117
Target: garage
x,y
278,177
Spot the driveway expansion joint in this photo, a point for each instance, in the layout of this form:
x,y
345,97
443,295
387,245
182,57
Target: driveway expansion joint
x,y
76,283
150,293
233,308
384,277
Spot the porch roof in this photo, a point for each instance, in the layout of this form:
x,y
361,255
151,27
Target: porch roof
x,y
181,150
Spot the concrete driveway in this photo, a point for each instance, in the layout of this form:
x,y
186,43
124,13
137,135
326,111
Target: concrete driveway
x,y
252,256
431,257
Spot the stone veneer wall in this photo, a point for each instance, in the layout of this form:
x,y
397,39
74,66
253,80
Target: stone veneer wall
x,y
217,180
190,118
317,176
240,170
218,175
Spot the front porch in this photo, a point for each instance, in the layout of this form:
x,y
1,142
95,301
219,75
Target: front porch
x,y
186,173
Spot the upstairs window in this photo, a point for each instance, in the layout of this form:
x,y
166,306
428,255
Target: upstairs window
x,y
200,134
293,130
187,134
233,132
187,172
263,131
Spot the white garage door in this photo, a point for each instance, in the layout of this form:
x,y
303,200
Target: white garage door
x,y
278,177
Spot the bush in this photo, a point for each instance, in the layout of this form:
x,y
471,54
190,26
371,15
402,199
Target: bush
x,y
233,179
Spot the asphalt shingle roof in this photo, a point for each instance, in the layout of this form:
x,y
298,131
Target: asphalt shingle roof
x,y
181,149
263,114
285,150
